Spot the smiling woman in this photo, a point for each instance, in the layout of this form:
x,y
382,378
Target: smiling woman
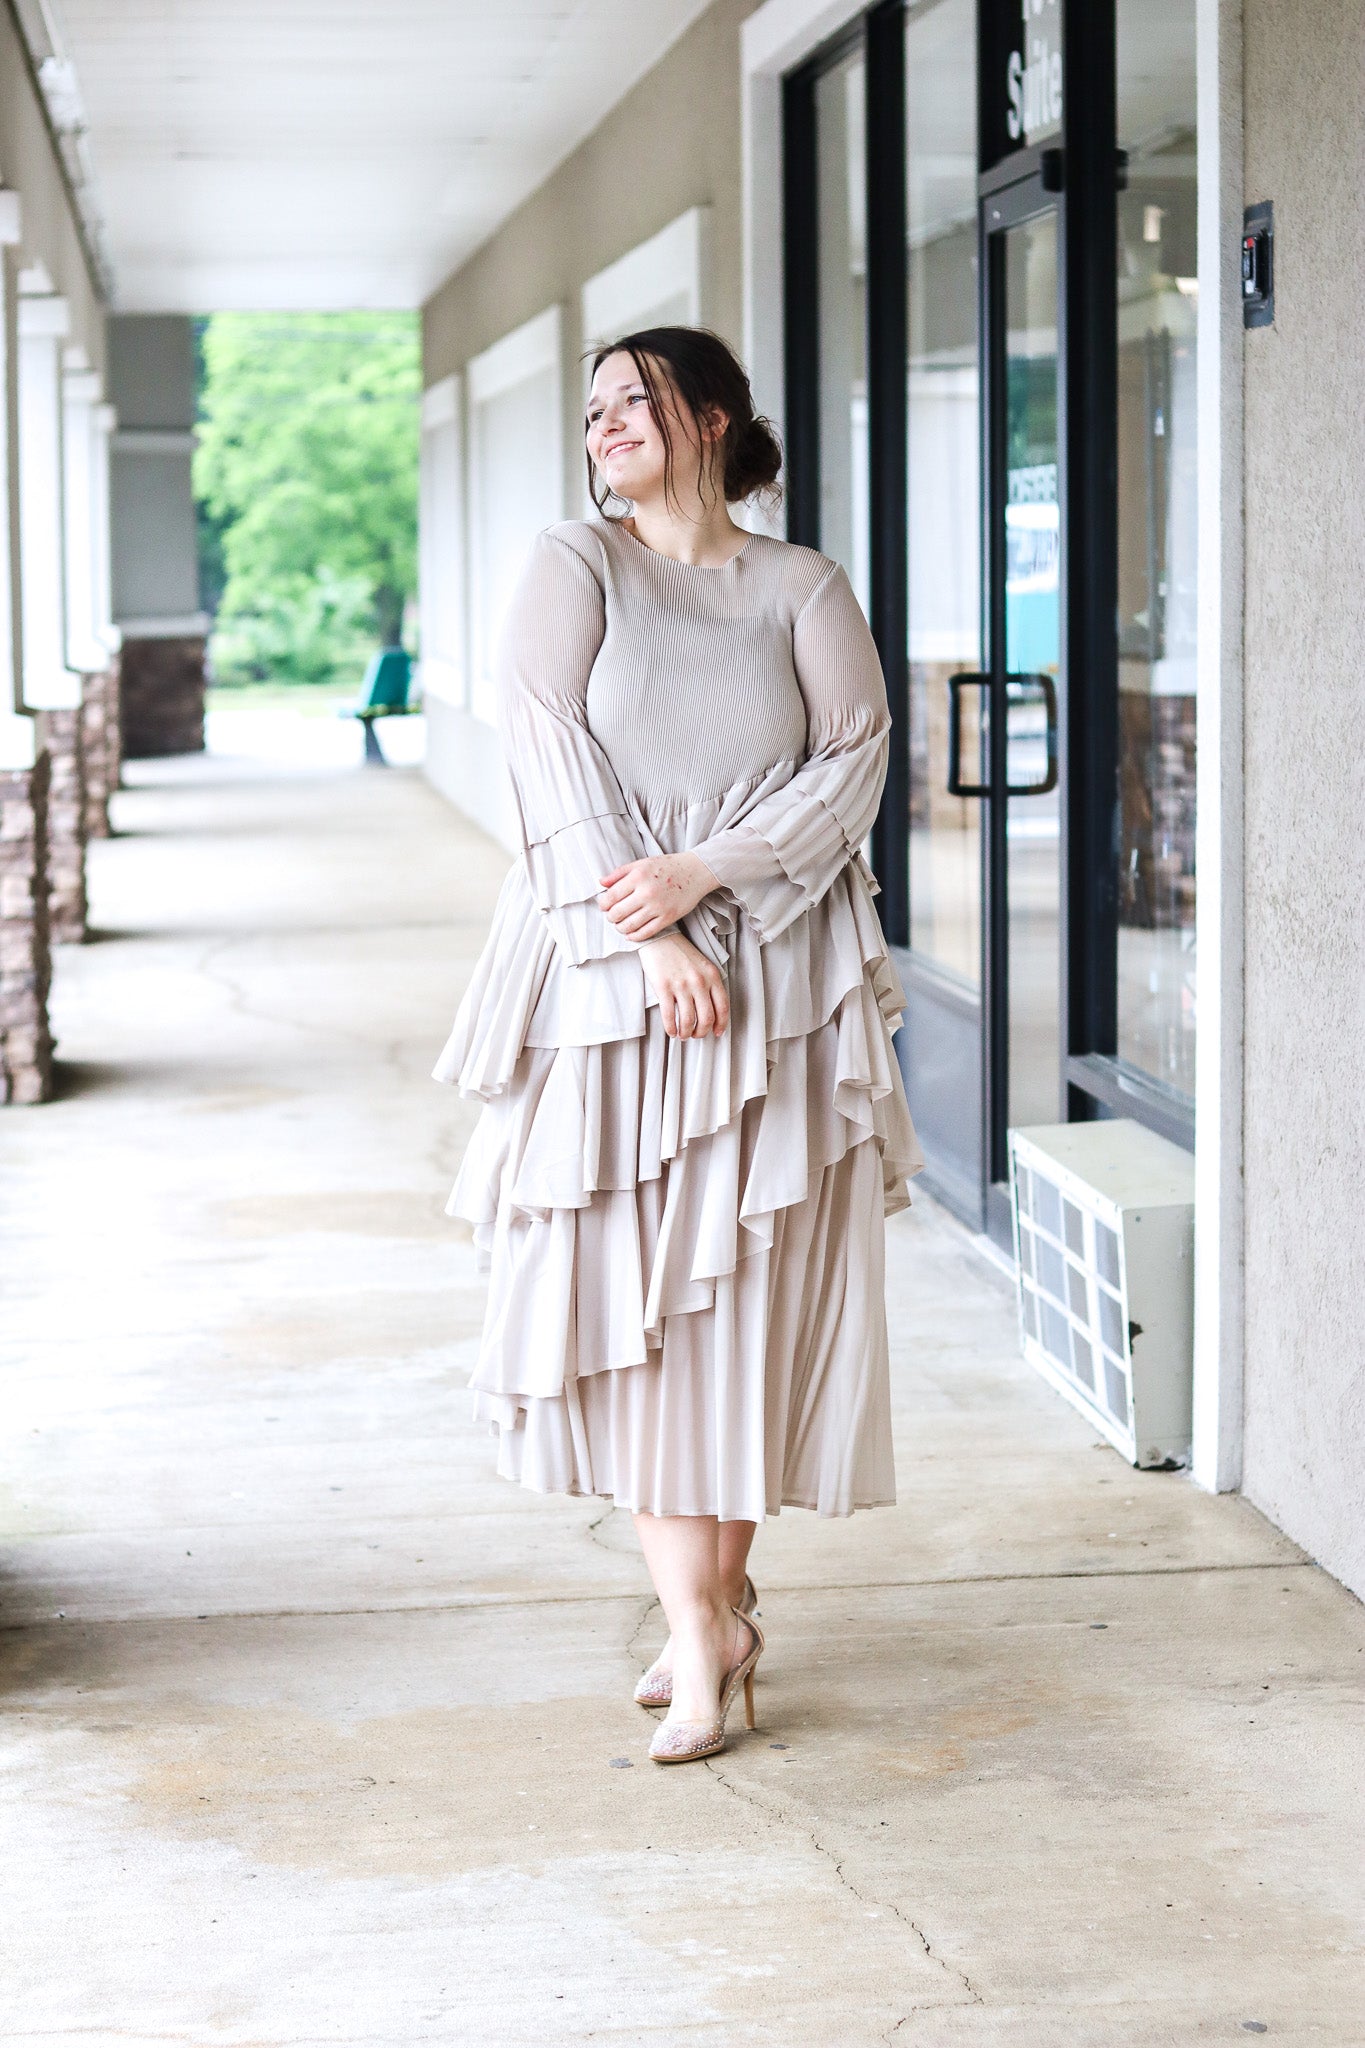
x,y
694,1124
705,399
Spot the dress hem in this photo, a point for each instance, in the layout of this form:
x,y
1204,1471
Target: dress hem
x,y
768,1515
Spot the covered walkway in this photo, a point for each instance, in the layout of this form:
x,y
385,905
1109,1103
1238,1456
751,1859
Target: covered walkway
x,y
318,1732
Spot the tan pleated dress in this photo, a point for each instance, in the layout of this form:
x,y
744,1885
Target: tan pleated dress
x,y
685,1237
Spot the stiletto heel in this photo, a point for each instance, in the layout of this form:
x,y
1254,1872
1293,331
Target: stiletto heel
x,y
655,1688
687,1742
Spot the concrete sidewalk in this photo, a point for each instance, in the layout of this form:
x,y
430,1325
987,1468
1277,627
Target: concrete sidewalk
x,y
318,1732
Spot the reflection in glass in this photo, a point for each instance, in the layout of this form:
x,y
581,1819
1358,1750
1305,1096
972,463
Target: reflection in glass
x,y
1157,304
841,228
1032,647
944,468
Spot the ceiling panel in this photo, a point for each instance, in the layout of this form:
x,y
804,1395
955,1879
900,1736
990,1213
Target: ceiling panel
x,y
333,153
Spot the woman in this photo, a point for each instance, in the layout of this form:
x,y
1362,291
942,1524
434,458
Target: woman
x,y
681,1025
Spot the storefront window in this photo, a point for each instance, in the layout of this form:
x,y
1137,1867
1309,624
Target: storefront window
x,y
943,463
841,230
1157,539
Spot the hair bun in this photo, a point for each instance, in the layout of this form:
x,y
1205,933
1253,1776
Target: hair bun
x,y
754,462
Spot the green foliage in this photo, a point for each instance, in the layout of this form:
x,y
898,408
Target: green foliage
x,y
306,473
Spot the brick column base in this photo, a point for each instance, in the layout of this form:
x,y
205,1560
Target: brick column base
x,y
25,962
100,747
65,828
162,696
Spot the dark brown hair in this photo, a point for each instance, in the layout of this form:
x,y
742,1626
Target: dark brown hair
x,y
706,377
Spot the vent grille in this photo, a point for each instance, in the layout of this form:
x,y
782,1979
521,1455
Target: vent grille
x,y
1071,1292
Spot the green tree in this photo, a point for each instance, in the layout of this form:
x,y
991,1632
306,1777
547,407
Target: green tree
x,y
307,469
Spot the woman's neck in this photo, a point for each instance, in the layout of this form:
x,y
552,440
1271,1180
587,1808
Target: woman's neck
x,y
706,540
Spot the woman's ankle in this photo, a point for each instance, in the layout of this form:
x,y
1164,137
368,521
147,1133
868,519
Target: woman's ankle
x,y
701,1618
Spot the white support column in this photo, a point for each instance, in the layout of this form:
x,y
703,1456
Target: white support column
x,y
103,422
18,738
86,651
48,684
1218,1258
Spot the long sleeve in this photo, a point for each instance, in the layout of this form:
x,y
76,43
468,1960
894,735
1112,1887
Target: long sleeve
x,y
574,822
786,851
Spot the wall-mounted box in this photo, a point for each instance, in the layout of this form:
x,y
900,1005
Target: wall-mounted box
x,y
1104,1246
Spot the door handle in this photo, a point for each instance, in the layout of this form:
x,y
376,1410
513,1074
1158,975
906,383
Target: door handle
x,y
956,685
1014,689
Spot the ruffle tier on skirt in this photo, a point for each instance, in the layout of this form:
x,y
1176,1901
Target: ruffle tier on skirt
x,y
684,1238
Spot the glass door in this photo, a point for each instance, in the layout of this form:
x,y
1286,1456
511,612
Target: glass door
x,y
1024,686
989,301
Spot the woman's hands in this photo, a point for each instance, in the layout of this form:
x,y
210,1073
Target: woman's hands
x,y
692,996
643,899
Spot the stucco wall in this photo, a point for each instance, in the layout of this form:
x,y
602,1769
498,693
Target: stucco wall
x,y
671,143
1305,787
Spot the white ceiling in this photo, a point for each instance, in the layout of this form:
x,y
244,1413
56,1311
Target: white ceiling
x,y
332,153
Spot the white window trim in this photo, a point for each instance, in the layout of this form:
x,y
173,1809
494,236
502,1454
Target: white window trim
x,y
531,350
678,258
773,41
535,346
444,667
619,298
1219,1251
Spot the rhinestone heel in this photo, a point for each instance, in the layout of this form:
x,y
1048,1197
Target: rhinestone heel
x,y
687,1742
656,1687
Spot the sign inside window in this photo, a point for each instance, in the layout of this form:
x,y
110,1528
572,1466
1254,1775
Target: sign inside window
x,y
1033,74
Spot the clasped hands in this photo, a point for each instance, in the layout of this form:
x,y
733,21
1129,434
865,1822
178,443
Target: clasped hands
x,y
642,900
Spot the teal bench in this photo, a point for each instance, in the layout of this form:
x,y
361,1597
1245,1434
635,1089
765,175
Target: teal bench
x,y
384,693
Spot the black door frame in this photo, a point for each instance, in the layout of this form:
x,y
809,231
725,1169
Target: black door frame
x,y
1080,171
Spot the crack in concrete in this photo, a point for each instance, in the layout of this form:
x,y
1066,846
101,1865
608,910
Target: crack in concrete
x,y
869,1901
587,1597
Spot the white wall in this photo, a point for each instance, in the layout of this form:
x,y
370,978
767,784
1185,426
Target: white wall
x,y
492,479
1304,453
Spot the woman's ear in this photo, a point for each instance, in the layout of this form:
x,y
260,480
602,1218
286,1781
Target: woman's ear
x,y
715,423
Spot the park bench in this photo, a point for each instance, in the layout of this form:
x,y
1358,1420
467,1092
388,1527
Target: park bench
x,y
384,693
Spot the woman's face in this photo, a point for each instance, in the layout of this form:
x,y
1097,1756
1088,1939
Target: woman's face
x,y
626,442
624,439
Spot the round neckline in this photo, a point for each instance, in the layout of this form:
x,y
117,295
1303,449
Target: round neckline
x,y
707,568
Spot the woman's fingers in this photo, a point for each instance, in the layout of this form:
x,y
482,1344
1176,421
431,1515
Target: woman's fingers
x,y
626,901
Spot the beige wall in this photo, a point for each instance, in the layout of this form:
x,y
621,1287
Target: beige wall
x,y
1305,786
28,166
673,142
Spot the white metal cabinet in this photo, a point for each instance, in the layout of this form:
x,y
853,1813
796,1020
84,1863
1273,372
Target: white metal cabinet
x,y
1104,1246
